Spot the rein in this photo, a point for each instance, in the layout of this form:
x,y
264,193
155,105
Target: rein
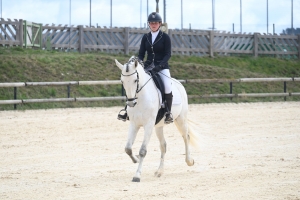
x,y
138,89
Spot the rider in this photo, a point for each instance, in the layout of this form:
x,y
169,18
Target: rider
x,y
158,47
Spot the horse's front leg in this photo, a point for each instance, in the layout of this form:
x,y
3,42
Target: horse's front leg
x,y
130,140
163,150
143,151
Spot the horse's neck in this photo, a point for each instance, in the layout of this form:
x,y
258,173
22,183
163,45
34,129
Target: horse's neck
x,y
147,83
144,77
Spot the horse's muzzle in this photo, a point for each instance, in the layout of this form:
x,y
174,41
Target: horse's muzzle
x,y
131,103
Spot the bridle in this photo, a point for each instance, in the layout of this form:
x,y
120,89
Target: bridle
x,y
131,102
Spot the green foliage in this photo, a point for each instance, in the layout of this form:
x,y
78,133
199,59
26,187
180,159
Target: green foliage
x,y
52,92
28,65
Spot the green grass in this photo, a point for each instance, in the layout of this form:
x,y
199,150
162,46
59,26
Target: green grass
x,y
32,65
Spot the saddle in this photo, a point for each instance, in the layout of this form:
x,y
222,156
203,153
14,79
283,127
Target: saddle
x,y
160,85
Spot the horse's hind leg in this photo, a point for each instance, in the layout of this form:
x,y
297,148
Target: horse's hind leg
x,y
182,126
163,150
130,140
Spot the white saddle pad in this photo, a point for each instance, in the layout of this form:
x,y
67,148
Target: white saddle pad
x,y
176,96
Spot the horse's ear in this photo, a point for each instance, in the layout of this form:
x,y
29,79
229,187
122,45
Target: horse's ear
x,y
119,64
136,63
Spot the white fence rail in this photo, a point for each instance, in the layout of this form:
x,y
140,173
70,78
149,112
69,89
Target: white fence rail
x,y
114,82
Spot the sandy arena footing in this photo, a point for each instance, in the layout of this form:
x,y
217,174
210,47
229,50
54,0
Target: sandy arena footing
x,y
247,151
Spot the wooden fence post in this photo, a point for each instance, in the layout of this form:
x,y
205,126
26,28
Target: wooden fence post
x,y
41,36
25,33
126,41
170,35
298,47
284,89
21,33
80,41
68,91
230,90
15,97
211,43
255,45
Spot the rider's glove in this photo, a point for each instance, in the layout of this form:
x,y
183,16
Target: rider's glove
x,y
156,68
141,62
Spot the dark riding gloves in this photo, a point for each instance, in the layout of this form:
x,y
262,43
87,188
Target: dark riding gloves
x,y
156,68
141,62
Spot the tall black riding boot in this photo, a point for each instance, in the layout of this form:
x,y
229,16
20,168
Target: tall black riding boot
x,y
169,99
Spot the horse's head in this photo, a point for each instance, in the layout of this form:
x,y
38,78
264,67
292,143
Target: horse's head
x,y
130,80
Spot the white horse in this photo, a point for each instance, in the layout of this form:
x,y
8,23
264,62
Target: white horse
x,y
143,103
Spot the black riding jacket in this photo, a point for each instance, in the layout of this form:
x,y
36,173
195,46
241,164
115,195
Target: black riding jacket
x,y
159,52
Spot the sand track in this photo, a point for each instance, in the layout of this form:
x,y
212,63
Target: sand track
x,y
248,151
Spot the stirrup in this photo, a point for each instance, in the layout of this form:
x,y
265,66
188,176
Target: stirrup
x,y
169,118
123,117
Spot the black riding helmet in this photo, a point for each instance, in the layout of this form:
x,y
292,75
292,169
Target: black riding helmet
x,y
154,17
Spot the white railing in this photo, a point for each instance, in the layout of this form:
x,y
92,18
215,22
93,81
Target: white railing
x,y
114,82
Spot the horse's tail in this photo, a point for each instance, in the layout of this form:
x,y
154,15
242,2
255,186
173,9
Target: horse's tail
x,y
193,134
199,139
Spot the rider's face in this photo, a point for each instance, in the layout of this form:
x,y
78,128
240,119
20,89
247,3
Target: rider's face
x,y
154,25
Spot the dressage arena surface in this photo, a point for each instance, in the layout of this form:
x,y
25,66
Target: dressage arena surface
x,y
247,151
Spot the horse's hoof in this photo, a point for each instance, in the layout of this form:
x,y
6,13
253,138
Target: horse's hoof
x,y
136,179
190,163
157,174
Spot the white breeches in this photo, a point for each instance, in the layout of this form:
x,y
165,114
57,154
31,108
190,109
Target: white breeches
x,y
166,78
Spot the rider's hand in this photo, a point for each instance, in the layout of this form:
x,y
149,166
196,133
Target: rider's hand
x,y
156,69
